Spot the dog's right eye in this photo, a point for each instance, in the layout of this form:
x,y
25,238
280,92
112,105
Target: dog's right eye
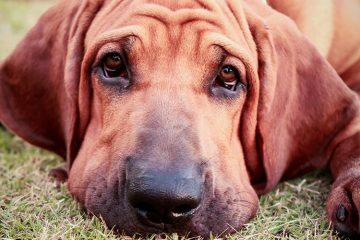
x,y
114,67
228,77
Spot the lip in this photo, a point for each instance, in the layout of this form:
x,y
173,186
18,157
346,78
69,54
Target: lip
x,y
141,216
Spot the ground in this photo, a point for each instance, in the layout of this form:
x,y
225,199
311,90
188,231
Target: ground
x,y
32,206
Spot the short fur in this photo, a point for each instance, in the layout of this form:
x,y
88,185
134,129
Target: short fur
x,y
300,111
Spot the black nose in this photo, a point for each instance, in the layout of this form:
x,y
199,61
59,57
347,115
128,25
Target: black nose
x,y
164,197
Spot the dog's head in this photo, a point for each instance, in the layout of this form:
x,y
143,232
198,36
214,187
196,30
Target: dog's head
x,y
169,112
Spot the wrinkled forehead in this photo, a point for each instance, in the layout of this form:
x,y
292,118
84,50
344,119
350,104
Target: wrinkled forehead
x,y
185,24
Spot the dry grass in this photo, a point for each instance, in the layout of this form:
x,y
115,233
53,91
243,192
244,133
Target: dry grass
x,y
33,207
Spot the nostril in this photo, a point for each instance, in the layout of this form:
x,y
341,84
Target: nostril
x,y
182,209
166,210
146,211
143,207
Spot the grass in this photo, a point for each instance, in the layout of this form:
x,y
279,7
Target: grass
x,y
16,17
32,206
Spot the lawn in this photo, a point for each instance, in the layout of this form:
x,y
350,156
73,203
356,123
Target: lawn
x,y
32,206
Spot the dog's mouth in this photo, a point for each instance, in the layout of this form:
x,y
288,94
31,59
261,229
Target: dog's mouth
x,y
167,218
163,185
156,209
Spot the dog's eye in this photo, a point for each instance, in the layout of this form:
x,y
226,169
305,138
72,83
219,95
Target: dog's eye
x,y
113,66
228,77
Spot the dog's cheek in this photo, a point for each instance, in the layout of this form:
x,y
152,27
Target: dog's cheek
x,y
77,183
234,205
83,172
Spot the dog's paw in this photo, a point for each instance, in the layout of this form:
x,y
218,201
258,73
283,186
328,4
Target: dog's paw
x,y
343,206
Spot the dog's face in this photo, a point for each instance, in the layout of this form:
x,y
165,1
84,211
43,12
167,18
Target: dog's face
x,y
169,111
162,151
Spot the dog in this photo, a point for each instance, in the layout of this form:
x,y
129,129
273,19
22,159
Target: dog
x,y
173,116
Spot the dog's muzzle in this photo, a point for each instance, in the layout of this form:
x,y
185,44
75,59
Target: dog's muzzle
x,y
161,196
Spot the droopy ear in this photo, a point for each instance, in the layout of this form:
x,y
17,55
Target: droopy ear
x,y
39,80
302,102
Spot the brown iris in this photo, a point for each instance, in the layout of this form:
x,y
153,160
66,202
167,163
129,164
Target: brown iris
x,y
228,77
114,66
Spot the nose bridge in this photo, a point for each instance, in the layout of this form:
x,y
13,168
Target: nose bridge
x,y
145,168
169,122
168,139
168,114
164,178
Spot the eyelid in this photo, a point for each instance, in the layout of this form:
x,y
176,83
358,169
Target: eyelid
x,y
224,57
104,55
106,50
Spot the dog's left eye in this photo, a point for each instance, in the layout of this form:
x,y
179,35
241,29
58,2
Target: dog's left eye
x,y
113,66
228,77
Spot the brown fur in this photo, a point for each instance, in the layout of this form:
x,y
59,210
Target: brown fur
x,y
296,114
